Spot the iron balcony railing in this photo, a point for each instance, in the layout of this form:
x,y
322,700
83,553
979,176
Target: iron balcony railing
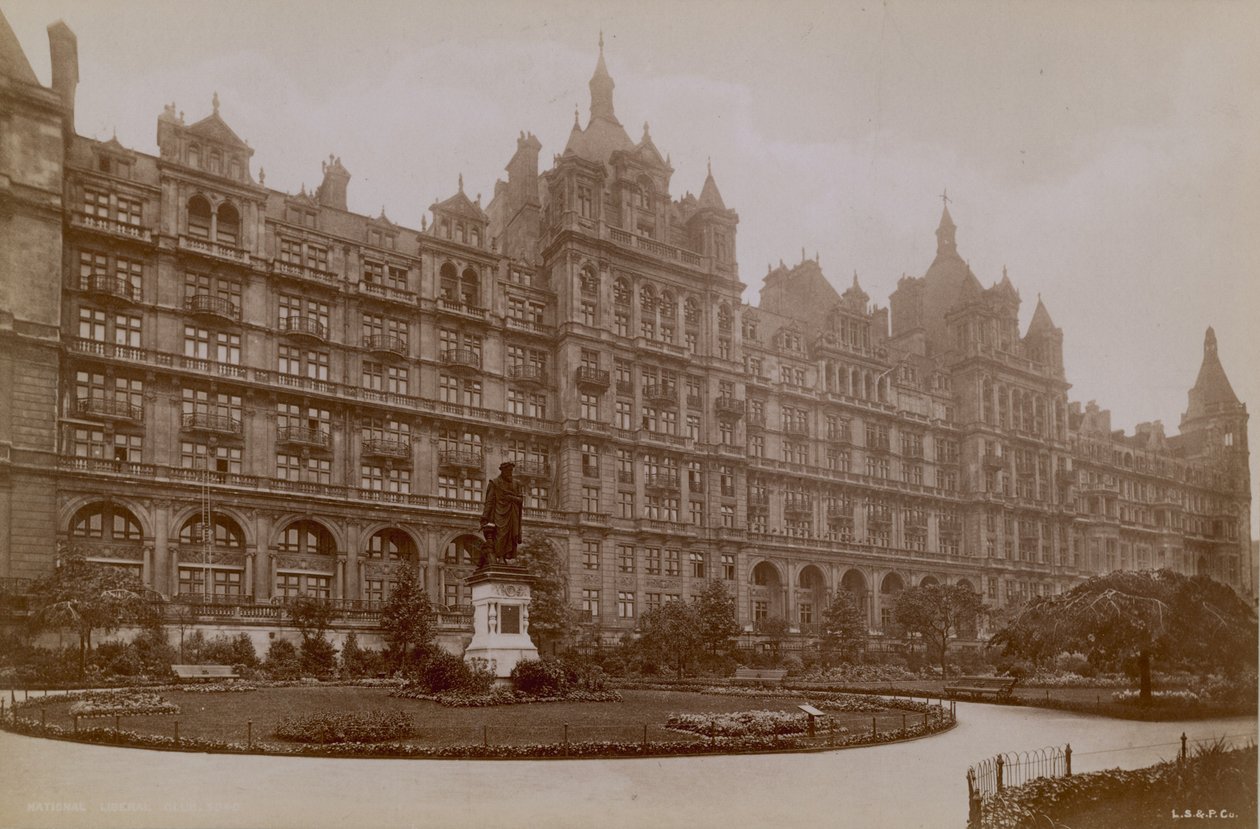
x,y
112,287
107,408
307,326
387,447
205,422
214,306
386,344
303,436
461,358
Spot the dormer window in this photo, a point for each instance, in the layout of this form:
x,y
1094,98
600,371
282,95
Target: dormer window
x,y
216,162
476,237
194,155
236,169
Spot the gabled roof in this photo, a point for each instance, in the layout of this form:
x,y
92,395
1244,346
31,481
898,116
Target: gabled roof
x,y
214,128
13,62
460,205
709,195
646,149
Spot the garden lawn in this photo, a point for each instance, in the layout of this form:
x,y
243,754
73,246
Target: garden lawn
x,y
224,716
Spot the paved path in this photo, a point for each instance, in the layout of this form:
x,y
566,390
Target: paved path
x,y
47,783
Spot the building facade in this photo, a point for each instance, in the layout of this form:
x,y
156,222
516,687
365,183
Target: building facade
x,y
237,391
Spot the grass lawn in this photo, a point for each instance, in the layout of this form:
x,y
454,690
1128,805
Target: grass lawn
x,y
224,716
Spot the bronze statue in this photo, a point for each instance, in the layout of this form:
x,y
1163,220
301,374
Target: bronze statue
x,y
501,518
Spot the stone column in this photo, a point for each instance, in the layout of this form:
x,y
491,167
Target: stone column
x,y
249,585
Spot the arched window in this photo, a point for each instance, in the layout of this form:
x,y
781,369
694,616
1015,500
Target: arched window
x,y
307,536
199,217
216,161
470,288
449,279
391,545
226,532
621,292
229,225
669,305
106,522
724,318
475,236
463,551
691,312
194,155
647,299
643,193
588,281
765,575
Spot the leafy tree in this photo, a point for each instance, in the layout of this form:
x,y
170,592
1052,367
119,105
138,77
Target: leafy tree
x,y
672,634
407,617
86,597
282,660
715,607
1146,614
552,620
230,650
312,617
937,612
844,628
774,628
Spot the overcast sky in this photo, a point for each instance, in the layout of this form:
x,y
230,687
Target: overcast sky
x,y
1106,153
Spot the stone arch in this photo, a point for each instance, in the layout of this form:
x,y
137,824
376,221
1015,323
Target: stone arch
x,y
448,281
929,581
668,304
72,507
588,278
811,594
691,311
856,583
965,584
621,291
333,530
199,212
106,520
181,517
390,543
647,298
766,579
892,583
228,224
458,558
228,532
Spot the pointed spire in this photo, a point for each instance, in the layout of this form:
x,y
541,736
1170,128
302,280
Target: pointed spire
x,y
461,182
13,60
945,242
710,197
601,86
1041,322
1212,392
214,102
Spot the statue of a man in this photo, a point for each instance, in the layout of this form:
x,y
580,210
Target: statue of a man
x,y
501,517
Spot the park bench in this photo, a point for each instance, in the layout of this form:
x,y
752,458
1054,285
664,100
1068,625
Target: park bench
x,y
205,672
773,674
1000,687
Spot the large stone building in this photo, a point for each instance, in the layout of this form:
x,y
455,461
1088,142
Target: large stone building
x,y
325,392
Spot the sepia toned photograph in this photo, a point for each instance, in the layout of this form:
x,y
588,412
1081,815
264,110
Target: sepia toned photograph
x,y
670,414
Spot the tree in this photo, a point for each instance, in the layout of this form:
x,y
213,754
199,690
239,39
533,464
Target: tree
x,y
312,617
936,613
86,597
551,618
671,634
774,628
407,617
1146,614
844,628
715,608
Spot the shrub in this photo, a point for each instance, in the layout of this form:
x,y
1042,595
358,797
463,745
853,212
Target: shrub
x,y
540,677
357,661
318,656
739,724
126,702
442,671
282,660
712,664
230,650
1230,692
1071,663
792,662
374,726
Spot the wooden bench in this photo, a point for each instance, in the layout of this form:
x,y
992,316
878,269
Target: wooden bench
x,y
1000,687
773,674
205,672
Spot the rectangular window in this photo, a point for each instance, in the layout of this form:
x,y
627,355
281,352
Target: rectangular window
x,y
698,569
673,565
728,566
625,605
653,559
625,558
590,555
590,601
625,505
590,499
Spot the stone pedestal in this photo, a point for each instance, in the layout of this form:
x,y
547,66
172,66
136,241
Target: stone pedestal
x,y
500,599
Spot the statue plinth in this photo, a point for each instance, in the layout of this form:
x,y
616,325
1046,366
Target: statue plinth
x,y
500,600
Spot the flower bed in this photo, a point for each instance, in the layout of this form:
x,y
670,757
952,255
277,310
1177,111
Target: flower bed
x,y
219,688
742,723
1133,697
1067,679
345,727
836,701
503,696
1152,796
122,703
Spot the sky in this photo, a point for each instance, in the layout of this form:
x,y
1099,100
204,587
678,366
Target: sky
x,y
1105,153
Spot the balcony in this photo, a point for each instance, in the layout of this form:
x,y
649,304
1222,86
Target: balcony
x,y
301,436
461,459
385,344
213,423
662,481
461,359
105,409
592,378
532,469
728,407
662,394
209,306
304,327
390,294
112,227
464,309
840,513
530,326
757,420
992,460
393,447
111,288
796,429
528,374
797,506
296,270
214,250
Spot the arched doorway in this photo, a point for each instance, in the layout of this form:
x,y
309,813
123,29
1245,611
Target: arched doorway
x,y
811,597
889,589
110,534
211,559
854,582
766,592
305,561
386,552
